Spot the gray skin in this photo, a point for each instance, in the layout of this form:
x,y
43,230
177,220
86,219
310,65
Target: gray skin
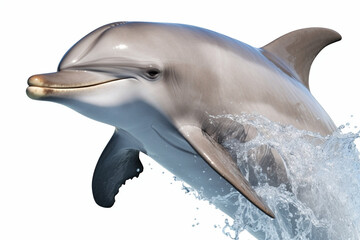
x,y
160,84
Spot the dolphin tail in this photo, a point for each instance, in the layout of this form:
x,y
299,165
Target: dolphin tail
x,y
118,163
294,52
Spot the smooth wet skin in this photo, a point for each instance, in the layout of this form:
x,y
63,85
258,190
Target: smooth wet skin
x,y
160,84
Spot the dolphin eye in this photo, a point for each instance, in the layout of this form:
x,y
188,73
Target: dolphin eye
x,y
152,73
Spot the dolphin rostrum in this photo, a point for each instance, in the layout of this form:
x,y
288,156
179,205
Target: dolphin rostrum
x,y
159,85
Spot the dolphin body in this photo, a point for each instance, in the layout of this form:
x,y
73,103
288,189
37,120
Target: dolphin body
x,y
160,86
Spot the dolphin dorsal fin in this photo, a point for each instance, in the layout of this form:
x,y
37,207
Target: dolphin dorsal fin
x,y
294,52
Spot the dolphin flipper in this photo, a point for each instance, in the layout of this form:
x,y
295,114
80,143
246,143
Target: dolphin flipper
x,y
220,160
118,163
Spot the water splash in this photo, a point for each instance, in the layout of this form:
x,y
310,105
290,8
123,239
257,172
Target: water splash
x,y
322,197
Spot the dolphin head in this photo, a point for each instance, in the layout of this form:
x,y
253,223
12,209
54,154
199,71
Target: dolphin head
x,y
113,67
122,63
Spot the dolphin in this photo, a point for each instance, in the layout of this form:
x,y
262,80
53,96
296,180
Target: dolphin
x,y
160,85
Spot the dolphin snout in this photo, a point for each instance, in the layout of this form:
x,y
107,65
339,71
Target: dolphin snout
x,y
69,79
36,90
42,86
63,79
36,80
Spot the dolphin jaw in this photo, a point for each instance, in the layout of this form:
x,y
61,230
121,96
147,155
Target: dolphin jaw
x,y
44,85
71,79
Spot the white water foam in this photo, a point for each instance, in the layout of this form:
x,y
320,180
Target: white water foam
x,y
323,198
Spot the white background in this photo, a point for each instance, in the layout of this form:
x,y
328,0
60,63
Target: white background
x,y
48,152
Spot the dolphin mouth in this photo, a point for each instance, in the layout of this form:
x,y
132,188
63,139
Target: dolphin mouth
x,y
44,85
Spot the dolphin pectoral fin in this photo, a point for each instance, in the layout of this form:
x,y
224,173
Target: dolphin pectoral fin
x,y
220,160
118,163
